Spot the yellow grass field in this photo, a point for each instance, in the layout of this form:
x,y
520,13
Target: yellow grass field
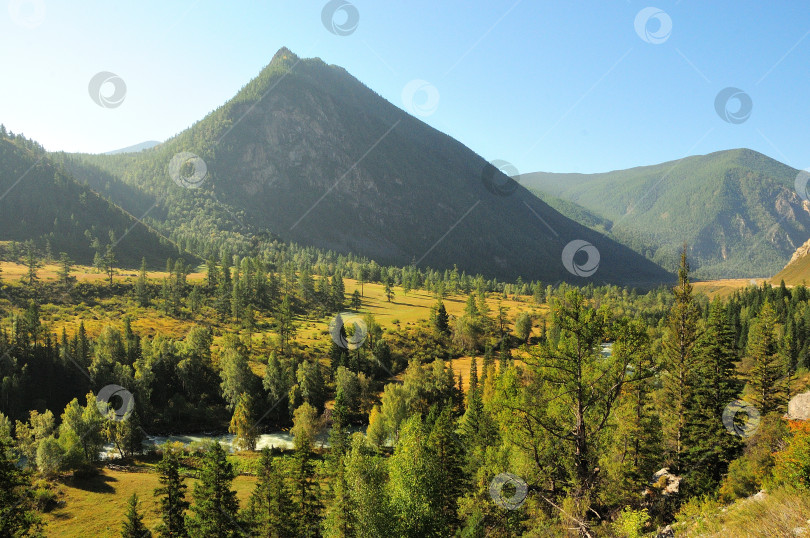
x,y
724,288
96,506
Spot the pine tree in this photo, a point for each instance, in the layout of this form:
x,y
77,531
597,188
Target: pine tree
x,y
679,362
32,263
445,446
285,326
306,497
109,263
18,516
172,494
339,435
338,291
356,301
710,448
339,521
141,286
65,268
441,321
133,526
216,508
242,424
270,507
389,292
766,377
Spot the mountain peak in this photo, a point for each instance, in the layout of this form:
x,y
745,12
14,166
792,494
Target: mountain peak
x,y
283,55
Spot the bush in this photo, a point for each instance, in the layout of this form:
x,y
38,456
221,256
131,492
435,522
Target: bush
x,y
44,499
630,523
792,465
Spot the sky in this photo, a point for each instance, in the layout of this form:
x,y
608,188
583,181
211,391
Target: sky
x,y
545,85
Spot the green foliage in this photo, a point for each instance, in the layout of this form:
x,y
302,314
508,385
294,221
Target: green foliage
x,y
631,523
133,526
215,508
17,514
702,201
172,496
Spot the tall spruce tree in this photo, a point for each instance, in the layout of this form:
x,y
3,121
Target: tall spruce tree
x,y
270,506
769,391
17,514
133,526
679,363
216,508
172,497
709,448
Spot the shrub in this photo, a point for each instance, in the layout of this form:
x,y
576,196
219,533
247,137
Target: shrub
x,y
630,523
792,465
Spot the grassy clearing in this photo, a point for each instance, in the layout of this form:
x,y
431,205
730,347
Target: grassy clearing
x,y
726,287
95,506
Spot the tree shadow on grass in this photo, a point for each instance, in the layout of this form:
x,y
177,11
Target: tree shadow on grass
x,y
98,483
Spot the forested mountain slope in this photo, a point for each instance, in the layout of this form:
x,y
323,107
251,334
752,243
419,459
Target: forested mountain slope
x,y
308,154
737,210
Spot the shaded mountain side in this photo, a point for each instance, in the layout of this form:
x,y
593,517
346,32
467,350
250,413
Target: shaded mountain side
x,y
737,210
308,153
43,202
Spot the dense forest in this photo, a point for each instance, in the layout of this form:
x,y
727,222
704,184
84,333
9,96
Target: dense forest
x,y
617,413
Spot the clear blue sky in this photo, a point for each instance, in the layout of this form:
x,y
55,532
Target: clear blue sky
x,y
552,86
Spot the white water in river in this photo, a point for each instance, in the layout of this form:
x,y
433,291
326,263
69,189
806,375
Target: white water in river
x,y
277,439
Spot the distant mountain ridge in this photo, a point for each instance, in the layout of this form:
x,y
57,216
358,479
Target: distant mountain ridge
x,y
42,201
134,149
736,209
307,153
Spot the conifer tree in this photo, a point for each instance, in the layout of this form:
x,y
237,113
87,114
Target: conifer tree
x,y
679,363
270,507
766,377
17,514
709,448
133,526
216,508
141,286
172,497
242,424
